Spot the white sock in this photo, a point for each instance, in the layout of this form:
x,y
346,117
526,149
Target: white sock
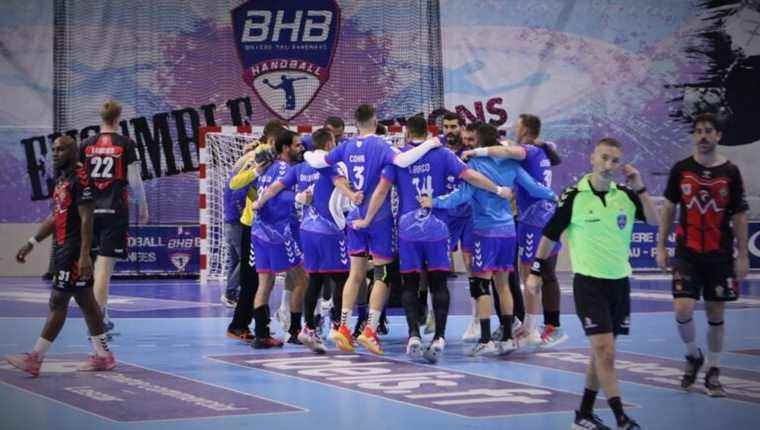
x,y
345,315
374,319
531,321
692,350
100,344
285,300
714,342
42,346
713,359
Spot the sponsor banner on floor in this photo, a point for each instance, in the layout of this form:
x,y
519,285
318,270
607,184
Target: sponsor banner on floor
x,y
132,393
430,387
740,384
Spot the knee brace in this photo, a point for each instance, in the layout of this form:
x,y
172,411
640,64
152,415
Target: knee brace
x,y
382,273
479,287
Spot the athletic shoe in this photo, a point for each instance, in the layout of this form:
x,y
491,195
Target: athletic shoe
x,y
369,340
472,333
430,323
228,302
283,316
713,385
434,351
343,339
518,329
266,342
629,424
293,339
497,333
588,422
691,370
241,334
552,336
505,347
382,328
414,348
483,349
312,340
529,339
29,362
97,363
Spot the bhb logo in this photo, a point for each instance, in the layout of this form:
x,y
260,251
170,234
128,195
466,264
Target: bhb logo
x,y
286,48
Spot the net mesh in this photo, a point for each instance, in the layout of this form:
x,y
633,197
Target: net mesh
x,y
164,59
222,151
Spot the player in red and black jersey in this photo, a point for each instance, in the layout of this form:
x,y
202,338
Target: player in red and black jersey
x,y
112,164
713,211
71,224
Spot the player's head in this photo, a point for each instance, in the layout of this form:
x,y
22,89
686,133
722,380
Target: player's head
x,y
452,126
416,128
336,126
365,117
288,146
607,158
110,112
323,139
272,128
528,127
381,130
706,133
487,135
64,152
469,138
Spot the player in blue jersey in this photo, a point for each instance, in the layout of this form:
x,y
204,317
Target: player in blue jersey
x,y
274,244
365,155
494,237
536,158
424,234
323,240
334,125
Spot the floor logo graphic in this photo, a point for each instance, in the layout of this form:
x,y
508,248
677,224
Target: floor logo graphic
x,y
286,49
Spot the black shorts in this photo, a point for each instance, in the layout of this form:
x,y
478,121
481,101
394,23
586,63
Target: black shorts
x,y
66,273
715,281
109,237
603,305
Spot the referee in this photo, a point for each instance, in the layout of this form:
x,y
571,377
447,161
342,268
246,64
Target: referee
x,y
598,215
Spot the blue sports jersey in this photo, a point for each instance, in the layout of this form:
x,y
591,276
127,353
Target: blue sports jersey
x,y
276,212
234,201
463,210
491,214
317,216
532,210
365,157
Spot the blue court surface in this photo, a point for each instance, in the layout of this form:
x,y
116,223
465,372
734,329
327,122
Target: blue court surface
x,y
178,370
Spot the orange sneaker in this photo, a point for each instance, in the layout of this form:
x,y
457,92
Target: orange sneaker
x,y
369,340
343,339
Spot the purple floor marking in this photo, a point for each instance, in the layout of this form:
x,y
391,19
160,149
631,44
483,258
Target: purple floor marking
x,y
132,393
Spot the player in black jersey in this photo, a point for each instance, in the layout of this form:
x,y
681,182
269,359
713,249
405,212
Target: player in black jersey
x,y
71,223
112,163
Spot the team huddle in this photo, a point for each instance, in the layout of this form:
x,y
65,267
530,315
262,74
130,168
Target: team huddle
x,y
330,211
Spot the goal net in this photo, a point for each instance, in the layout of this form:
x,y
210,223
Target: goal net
x,y
220,148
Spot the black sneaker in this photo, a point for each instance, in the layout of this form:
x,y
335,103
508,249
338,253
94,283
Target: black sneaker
x,y
266,343
691,370
382,328
588,422
293,339
714,388
629,424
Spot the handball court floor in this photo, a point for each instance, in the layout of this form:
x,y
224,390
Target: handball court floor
x,y
178,370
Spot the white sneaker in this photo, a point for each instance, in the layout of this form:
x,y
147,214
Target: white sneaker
x,y
414,347
430,323
483,349
517,328
283,316
312,340
530,339
506,346
472,333
434,351
552,336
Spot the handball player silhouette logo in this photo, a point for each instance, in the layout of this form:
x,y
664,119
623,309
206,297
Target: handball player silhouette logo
x,y
286,48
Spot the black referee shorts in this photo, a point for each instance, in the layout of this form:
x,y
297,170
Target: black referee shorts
x,y
602,305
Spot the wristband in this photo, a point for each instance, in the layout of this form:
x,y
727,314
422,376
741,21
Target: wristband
x,y
537,266
33,241
642,190
481,152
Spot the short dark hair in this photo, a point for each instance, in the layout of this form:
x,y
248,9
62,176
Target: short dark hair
x,y
334,121
448,116
320,138
532,123
272,128
284,138
488,135
417,126
364,113
707,117
473,126
381,130
610,141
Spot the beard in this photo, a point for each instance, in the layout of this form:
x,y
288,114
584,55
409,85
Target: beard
x,y
453,139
